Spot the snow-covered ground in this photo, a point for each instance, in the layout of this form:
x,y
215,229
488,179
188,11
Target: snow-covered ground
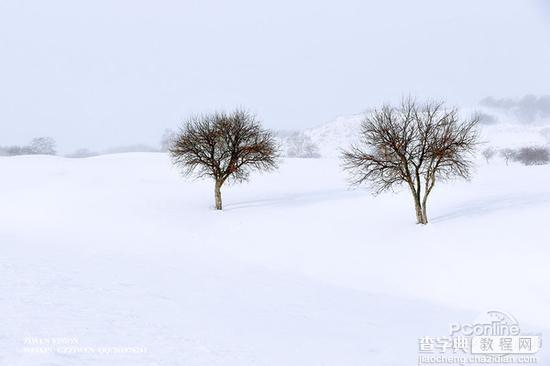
x,y
120,251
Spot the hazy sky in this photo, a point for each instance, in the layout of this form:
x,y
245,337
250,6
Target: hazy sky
x,y
100,73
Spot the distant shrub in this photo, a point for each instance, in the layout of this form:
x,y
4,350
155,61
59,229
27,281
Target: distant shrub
x,y
533,155
17,150
301,146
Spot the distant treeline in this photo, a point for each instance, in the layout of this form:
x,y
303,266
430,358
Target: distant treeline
x,y
528,155
47,146
37,146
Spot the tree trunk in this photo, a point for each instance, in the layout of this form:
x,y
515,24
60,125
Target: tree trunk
x,y
424,213
420,205
420,211
218,194
430,183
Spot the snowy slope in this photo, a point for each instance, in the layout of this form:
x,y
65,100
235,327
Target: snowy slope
x,y
515,136
119,251
505,132
335,135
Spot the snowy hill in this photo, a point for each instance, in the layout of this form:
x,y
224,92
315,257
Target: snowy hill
x,y
514,135
505,131
119,253
333,136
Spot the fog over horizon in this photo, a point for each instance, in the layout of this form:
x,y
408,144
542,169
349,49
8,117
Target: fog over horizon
x,y
108,73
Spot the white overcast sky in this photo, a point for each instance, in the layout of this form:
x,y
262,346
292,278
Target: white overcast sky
x,y
100,73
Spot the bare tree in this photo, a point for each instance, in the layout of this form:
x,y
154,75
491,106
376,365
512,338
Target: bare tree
x,y
416,144
488,154
224,147
42,145
508,154
311,150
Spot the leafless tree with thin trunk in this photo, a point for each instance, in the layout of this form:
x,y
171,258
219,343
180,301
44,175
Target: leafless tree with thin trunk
x,y
508,154
224,147
488,154
416,144
301,146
